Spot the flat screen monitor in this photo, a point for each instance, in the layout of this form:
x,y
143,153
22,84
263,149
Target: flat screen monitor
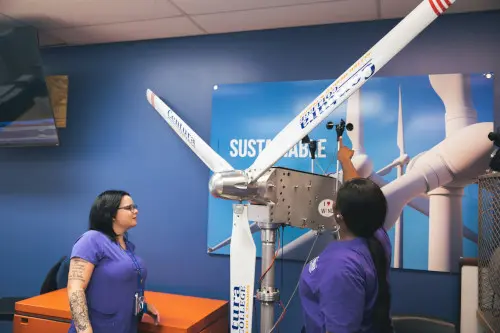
x,y
26,115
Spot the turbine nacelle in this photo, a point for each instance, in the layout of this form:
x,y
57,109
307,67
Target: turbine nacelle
x,y
402,160
229,185
442,165
235,185
363,164
292,197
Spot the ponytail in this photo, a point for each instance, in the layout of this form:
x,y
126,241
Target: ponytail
x,y
381,310
363,208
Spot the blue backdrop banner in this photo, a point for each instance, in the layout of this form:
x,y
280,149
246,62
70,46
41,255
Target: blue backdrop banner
x,y
245,117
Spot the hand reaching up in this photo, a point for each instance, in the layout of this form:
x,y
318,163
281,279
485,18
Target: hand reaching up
x,y
345,153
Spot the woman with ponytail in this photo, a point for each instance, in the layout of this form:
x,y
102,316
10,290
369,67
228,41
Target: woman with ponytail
x,y
345,289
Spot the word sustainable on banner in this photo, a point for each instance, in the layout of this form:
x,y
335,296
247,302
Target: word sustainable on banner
x,y
253,147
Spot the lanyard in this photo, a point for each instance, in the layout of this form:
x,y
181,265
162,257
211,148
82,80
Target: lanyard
x,y
140,288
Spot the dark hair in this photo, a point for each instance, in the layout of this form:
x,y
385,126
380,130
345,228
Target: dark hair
x,y
103,211
363,207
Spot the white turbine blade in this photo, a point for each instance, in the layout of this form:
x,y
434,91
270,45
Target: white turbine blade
x,y
352,79
254,227
299,248
400,139
353,116
398,232
403,158
242,265
419,203
401,161
211,159
388,168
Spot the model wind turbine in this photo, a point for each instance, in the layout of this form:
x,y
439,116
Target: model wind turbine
x,y
364,165
399,163
398,234
280,196
445,216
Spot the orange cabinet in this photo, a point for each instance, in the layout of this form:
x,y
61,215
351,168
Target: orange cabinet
x,y
179,314
28,324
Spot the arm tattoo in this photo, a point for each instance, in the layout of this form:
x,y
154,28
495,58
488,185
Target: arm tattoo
x,y
77,269
79,311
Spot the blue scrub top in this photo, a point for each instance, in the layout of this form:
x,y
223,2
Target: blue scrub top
x,y
338,288
113,285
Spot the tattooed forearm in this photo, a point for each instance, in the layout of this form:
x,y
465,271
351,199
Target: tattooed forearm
x,y
77,269
79,310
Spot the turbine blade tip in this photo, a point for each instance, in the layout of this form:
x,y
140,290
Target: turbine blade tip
x,y
150,96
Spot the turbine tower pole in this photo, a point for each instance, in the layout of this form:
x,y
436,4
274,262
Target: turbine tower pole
x,y
445,203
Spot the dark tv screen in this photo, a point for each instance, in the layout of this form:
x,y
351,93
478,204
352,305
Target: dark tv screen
x,y
26,115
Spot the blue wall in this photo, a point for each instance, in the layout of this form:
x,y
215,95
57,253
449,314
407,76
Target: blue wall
x,y
115,139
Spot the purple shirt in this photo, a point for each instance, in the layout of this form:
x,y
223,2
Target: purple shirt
x,y
338,288
114,282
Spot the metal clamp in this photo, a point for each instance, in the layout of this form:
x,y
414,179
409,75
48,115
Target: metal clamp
x,y
268,295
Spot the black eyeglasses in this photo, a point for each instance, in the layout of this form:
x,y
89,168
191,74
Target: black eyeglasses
x,y
131,207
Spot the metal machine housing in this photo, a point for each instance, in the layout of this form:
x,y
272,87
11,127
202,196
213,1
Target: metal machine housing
x,y
301,199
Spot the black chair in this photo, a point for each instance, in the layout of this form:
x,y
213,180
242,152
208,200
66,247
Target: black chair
x,y
7,307
7,304
50,282
62,275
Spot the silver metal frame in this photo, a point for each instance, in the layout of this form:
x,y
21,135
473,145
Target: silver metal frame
x,y
286,197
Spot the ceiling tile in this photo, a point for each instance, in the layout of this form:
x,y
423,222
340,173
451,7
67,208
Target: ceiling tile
x,y
140,30
474,6
31,12
71,13
401,8
397,8
193,7
7,22
45,39
279,17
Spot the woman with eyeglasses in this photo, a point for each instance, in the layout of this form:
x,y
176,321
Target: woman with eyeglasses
x,y
106,277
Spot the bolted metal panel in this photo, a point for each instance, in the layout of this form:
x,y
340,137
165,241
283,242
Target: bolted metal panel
x,y
301,199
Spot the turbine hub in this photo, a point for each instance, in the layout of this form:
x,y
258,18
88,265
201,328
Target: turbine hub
x,y
230,185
